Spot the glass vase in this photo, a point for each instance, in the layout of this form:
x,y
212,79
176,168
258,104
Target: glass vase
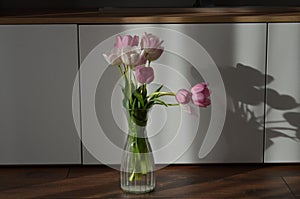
x,y
137,165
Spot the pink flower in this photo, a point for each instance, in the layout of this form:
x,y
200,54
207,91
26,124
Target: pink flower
x,y
183,96
200,100
131,56
201,88
127,40
144,74
200,94
143,58
113,57
152,46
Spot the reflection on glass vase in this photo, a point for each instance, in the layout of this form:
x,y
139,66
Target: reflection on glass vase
x,y
137,165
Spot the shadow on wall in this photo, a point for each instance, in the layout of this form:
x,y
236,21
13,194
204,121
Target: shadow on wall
x,y
245,87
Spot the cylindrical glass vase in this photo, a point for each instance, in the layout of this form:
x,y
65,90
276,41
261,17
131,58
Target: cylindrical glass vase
x,y
137,165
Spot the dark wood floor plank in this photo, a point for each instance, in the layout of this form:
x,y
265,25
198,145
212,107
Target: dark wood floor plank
x,y
278,170
24,176
194,181
235,186
294,184
90,171
67,188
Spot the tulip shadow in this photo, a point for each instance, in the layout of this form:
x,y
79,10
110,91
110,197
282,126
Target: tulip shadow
x,y
289,127
246,132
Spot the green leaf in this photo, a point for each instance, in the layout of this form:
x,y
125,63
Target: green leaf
x,y
126,93
159,88
156,91
132,85
124,102
144,91
133,104
159,101
149,104
140,98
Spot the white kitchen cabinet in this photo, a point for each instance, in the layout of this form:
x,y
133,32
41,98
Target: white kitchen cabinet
x,y
38,67
283,94
230,57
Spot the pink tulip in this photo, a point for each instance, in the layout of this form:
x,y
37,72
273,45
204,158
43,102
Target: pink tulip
x,y
200,100
113,57
131,56
144,74
143,58
200,94
183,96
152,46
201,88
127,40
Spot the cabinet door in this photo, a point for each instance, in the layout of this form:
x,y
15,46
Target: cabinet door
x,y
234,51
283,94
38,68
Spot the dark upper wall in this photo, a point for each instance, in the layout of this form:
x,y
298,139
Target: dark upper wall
x,y
257,2
67,4
93,4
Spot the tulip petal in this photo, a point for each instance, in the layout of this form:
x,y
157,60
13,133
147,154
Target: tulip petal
x,y
144,75
183,96
135,41
118,43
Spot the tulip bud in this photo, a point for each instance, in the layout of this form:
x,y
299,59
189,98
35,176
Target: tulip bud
x,y
183,96
200,94
144,74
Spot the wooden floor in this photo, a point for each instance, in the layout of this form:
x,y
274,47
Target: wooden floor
x,y
200,181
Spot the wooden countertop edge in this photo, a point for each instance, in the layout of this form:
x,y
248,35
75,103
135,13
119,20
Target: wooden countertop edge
x,y
146,16
147,20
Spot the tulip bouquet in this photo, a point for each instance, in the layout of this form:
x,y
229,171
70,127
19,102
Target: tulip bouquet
x,y
134,65
133,58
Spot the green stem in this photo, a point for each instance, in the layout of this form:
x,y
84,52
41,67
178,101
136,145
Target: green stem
x,y
162,94
125,68
121,71
173,104
130,89
139,160
145,91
